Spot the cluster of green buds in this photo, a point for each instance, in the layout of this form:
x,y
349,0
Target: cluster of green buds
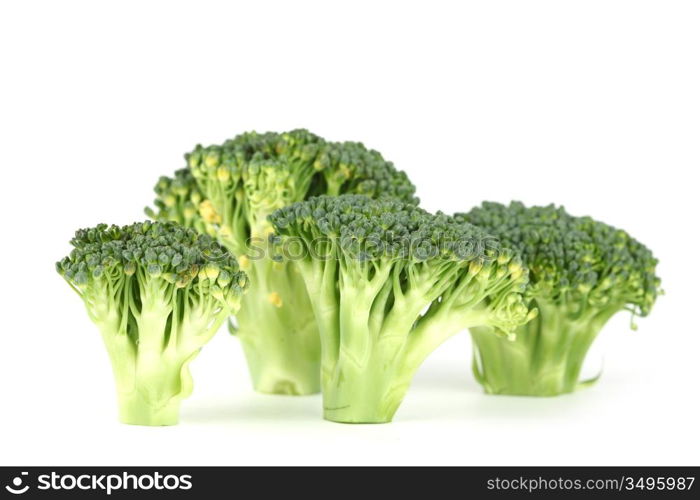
x,y
349,167
179,200
252,175
105,255
432,253
573,259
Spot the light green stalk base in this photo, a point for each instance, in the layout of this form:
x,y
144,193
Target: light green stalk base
x,y
150,386
361,395
135,409
278,332
544,359
279,361
152,375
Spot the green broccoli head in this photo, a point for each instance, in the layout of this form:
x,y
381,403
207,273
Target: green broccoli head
x,y
157,292
249,177
582,272
573,260
389,282
242,182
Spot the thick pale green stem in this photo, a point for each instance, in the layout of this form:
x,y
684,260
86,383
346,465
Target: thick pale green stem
x,y
152,375
135,408
544,358
277,330
363,394
372,372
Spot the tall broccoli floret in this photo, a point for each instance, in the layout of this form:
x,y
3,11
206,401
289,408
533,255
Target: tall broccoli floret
x,y
179,200
582,272
157,292
389,283
243,181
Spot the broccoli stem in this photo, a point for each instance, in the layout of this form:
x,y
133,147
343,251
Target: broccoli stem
x,y
152,376
373,365
150,383
137,409
277,330
545,357
365,394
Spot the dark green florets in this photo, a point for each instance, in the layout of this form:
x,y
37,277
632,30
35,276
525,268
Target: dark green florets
x,y
179,255
228,190
367,229
252,175
573,257
302,164
349,167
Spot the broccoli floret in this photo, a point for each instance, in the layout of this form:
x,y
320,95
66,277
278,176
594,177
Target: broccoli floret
x,y
389,282
157,292
179,200
242,182
582,272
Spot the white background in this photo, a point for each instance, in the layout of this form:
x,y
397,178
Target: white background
x,y
591,104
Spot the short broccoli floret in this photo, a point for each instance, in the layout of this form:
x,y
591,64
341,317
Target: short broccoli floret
x,y
582,272
157,292
389,282
242,182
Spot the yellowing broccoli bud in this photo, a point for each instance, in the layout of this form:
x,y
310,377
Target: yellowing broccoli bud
x,y
516,270
532,314
189,211
169,200
504,257
211,271
475,266
223,174
170,277
212,159
275,299
129,268
244,262
193,159
208,213
243,281
217,293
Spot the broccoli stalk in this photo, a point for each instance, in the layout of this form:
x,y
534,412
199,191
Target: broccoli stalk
x,y
582,272
242,182
275,326
389,283
545,356
157,292
277,330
